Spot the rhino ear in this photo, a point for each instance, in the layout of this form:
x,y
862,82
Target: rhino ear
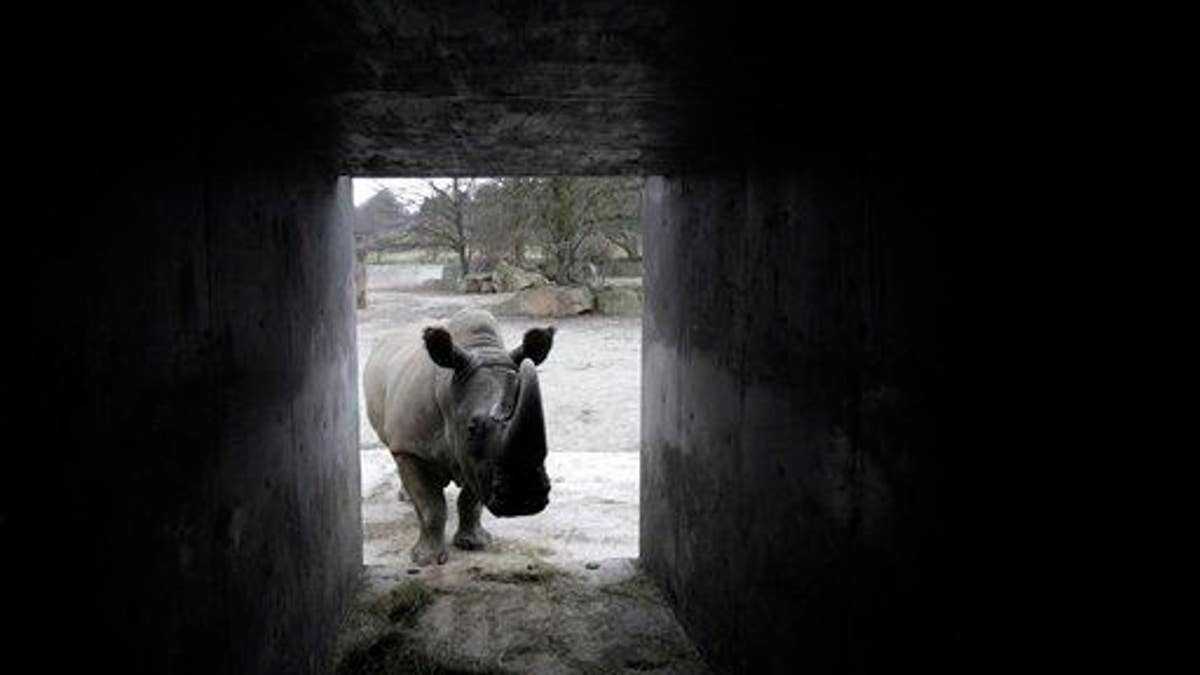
x,y
534,346
442,349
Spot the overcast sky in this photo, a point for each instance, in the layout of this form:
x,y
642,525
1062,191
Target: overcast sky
x,y
410,190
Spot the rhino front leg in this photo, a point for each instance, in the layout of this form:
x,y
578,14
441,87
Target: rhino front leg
x,y
430,503
470,536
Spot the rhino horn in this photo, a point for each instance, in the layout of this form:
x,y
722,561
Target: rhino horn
x,y
525,437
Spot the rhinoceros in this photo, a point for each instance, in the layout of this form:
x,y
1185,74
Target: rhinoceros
x,y
452,404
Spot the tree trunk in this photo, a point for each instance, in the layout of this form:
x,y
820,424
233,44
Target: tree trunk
x,y
518,251
566,263
460,228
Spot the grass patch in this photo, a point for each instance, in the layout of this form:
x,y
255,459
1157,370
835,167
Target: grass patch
x,y
404,603
381,640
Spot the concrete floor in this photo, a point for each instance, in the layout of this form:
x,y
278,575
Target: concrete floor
x,y
558,592
507,612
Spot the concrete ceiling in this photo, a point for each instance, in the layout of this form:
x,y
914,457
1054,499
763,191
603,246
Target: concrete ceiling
x,y
464,87
508,88
484,88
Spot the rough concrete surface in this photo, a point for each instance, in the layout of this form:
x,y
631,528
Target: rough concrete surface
x,y
509,612
556,592
877,216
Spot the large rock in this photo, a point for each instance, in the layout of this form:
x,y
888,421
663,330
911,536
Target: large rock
x,y
503,279
477,283
512,278
549,301
619,300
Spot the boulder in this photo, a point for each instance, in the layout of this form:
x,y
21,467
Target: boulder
x,y
619,300
476,283
549,301
512,278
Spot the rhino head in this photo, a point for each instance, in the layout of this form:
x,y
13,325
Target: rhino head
x,y
494,423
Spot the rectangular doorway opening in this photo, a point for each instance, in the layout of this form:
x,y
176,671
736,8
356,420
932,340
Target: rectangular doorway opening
x,y
534,252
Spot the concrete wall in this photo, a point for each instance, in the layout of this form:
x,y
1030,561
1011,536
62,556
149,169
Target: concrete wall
x,y
845,372
188,499
181,271
841,352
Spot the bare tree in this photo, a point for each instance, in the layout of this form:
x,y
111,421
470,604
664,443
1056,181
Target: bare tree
x,y
577,218
621,221
444,221
506,214
574,222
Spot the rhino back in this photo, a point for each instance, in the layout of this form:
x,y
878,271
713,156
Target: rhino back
x,y
399,383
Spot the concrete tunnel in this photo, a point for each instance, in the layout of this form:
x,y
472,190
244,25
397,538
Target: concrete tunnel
x,y
849,324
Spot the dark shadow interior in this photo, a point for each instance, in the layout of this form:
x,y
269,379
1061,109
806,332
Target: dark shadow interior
x,y
853,297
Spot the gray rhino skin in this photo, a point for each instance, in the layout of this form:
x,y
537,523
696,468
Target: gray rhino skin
x,y
452,404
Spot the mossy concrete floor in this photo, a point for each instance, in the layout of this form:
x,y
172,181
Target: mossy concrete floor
x,y
508,611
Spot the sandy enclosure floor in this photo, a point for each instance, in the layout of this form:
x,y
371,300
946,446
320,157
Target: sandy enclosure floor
x,y
591,392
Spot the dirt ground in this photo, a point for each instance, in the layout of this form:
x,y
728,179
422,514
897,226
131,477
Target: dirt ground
x,y
512,614
557,592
